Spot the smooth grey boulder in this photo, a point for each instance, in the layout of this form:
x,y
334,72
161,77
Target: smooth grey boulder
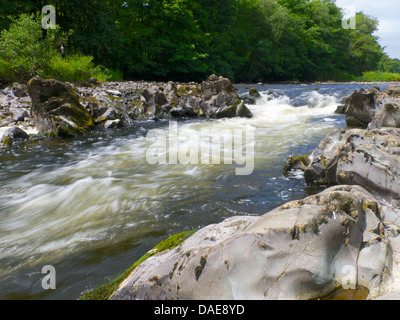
x,y
302,250
358,157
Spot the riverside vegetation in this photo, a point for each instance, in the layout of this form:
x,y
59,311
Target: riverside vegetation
x,y
187,40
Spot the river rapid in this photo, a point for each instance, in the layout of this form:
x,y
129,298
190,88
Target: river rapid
x,y
91,207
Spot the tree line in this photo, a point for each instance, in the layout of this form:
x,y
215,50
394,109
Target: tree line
x,y
186,40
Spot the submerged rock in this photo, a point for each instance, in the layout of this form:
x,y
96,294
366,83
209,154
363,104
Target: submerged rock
x,y
305,249
56,109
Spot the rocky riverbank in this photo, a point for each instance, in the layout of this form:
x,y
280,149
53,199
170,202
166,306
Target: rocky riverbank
x,y
343,242
63,110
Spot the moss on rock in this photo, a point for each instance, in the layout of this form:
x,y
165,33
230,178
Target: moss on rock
x,y
300,162
106,290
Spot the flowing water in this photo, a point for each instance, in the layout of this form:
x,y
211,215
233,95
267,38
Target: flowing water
x,y
92,206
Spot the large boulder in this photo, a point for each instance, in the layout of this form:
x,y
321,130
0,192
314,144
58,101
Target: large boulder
x,y
374,108
361,108
358,157
56,109
305,249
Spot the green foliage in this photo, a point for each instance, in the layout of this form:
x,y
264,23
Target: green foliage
x,y
24,47
104,74
373,76
72,68
26,50
186,40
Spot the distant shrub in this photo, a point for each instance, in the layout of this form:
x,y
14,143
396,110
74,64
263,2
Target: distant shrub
x,y
373,76
103,75
72,68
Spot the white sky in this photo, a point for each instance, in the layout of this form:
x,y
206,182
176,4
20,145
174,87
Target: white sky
x,y
388,14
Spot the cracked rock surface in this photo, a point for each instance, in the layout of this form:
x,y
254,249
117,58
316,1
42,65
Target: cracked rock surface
x,y
358,157
302,250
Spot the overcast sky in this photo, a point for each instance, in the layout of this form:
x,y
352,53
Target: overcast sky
x,y
388,14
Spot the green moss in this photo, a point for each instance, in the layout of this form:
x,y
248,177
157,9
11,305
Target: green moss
x,y
105,291
7,142
114,98
296,162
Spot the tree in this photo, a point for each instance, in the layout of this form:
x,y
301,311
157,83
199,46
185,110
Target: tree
x,y
24,48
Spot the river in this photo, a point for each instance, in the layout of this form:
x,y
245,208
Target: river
x,y
92,206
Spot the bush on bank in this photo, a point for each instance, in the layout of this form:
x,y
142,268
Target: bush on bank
x,y
26,50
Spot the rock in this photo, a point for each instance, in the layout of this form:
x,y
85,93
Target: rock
x,y
19,114
253,92
13,134
374,109
341,109
155,99
219,94
178,112
19,90
358,157
226,112
296,163
242,111
110,114
114,93
56,109
94,107
305,249
393,90
389,116
360,110
247,99
112,124
219,90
